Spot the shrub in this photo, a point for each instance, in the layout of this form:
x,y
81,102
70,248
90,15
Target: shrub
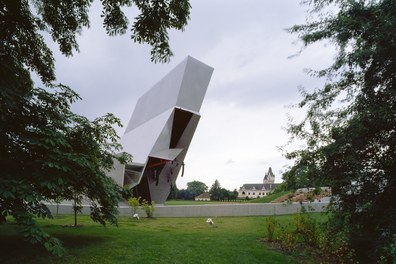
x,y
271,224
306,227
390,252
310,196
329,244
335,247
392,249
134,204
148,208
317,191
288,241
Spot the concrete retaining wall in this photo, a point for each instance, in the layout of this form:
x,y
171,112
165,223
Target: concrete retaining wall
x,y
210,210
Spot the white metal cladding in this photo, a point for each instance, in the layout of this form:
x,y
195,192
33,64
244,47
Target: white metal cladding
x,y
163,124
184,86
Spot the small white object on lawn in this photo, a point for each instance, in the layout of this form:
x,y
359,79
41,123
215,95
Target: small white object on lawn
x,y
136,216
210,221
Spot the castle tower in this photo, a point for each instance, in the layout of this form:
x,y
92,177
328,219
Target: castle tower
x,y
269,177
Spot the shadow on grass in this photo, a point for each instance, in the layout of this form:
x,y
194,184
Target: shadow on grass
x,y
14,249
80,241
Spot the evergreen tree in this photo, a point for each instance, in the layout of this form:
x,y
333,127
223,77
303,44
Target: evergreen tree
x,y
215,191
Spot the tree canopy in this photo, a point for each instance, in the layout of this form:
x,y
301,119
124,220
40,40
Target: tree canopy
x,y
215,191
196,188
350,125
47,151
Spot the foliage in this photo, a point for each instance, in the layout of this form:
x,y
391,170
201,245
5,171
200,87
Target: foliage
x,y
288,240
148,208
306,227
46,150
126,192
173,194
271,225
390,251
224,194
334,244
233,195
221,195
305,235
350,126
184,194
151,25
215,191
281,187
196,188
134,204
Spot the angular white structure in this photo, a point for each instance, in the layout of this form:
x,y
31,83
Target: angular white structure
x,y
160,130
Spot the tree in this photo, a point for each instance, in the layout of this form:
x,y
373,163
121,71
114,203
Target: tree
x,y
173,193
77,207
215,191
196,188
46,150
184,194
233,195
224,194
350,126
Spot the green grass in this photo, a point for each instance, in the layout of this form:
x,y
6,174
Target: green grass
x,y
187,202
269,198
266,199
161,240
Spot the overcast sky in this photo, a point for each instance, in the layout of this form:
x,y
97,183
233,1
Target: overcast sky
x,y
256,76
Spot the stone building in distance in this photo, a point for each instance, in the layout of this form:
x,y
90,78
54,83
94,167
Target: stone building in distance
x,y
257,190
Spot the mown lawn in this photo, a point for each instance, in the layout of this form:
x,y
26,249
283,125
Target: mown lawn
x,y
188,202
266,199
161,240
269,198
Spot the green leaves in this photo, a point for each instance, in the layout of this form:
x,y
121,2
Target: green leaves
x,y
349,129
155,19
215,191
54,246
196,188
47,151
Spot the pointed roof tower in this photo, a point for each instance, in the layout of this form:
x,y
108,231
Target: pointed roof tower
x,y
269,176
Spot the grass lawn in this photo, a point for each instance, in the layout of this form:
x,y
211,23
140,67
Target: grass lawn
x,y
161,240
266,199
269,198
188,202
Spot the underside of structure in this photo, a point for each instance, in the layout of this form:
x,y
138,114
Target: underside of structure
x,y
161,129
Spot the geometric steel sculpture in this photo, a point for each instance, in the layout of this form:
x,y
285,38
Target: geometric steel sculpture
x,y
160,130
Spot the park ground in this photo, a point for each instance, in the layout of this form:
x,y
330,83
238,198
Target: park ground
x,y
160,240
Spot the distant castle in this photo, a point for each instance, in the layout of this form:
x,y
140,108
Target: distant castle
x,y
257,190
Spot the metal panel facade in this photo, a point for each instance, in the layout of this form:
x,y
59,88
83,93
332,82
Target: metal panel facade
x,y
162,126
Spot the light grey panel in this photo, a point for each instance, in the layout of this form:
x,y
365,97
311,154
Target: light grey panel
x,y
163,139
159,98
194,85
167,154
117,173
140,141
